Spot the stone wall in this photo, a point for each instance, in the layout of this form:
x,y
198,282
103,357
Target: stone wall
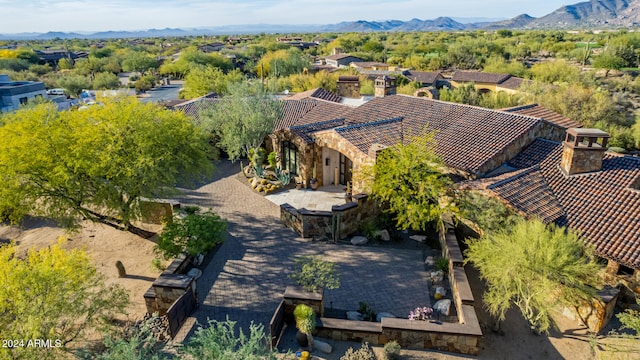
x,y
305,153
452,337
154,212
169,286
294,295
339,223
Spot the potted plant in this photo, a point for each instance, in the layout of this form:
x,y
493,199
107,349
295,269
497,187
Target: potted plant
x,y
314,181
298,181
306,324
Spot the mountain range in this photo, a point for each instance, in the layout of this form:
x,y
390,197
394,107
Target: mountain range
x,y
588,14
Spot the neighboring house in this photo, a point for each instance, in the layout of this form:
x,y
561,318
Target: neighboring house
x,y
211,47
194,107
15,93
52,57
424,78
369,65
341,60
576,183
488,82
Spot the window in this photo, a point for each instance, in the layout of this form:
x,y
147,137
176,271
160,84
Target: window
x,y
290,157
23,100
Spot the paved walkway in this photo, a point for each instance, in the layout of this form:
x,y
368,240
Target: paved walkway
x,y
247,275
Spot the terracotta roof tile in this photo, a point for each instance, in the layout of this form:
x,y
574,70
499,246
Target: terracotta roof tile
x,y
467,137
514,83
602,205
423,77
480,77
317,93
551,116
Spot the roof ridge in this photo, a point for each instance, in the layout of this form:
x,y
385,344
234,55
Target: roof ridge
x,y
370,123
325,122
519,107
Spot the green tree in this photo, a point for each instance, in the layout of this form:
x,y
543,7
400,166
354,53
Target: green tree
x,y
96,163
534,267
139,62
558,71
52,294
65,64
609,62
74,84
242,119
194,234
203,80
105,80
305,321
408,179
219,341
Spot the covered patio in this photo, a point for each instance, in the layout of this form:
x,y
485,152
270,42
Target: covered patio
x,y
321,200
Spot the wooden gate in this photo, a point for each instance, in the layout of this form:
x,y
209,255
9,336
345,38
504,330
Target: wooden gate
x,y
180,310
276,325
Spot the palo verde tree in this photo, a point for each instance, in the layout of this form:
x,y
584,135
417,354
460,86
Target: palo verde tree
x,y
408,178
52,294
96,163
242,119
534,267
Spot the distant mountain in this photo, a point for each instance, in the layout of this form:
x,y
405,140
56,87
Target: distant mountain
x,y
589,14
517,22
594,13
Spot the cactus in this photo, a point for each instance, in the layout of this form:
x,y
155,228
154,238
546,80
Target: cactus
x,y
283,176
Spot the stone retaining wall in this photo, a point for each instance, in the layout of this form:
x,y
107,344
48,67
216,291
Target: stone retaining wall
x,y
169,286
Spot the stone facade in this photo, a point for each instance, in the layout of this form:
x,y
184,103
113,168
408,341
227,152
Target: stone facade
x,y
384,86
339,223
306,154
348,86
582,153
169,286
334,141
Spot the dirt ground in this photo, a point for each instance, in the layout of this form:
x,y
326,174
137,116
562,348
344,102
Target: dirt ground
x,y
515,340
105,245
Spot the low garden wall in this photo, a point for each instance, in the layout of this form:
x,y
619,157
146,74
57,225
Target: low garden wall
x,y
169,286
339,223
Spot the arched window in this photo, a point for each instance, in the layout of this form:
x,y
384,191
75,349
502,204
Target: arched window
x,y
290,157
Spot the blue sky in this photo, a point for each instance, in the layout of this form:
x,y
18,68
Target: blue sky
x,y
100,15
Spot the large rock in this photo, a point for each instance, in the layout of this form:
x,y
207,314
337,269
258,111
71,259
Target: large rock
x,y
384,315
443,306
384,235
359,240
354,315
429,260
322,346
418,238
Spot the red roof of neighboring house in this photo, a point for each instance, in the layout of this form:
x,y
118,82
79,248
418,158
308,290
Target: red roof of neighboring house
x,y
551,116
479,77
423,77
514,83
604,206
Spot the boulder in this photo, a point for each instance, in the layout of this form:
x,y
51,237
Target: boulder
x,y
437,276
384,235
195,273
440,290
384,315
198,259
359,240
418,238
354,315
430,261
322,346
443,306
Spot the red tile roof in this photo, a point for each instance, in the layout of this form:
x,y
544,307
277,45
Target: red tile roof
x,y
514,83
317,93
308,111
479,77
467,137
603,206
551,116
423,77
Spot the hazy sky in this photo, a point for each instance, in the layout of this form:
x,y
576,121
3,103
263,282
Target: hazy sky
x,y
99,15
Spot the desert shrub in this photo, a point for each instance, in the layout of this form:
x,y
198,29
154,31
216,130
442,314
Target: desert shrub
x,y
392,350
442,264
194,234
364,353
313,273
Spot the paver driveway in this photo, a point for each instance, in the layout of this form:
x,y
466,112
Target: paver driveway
x,y
247,275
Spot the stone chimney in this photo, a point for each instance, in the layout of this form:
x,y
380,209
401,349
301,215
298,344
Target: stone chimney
x,y
385,85
349,86
583,150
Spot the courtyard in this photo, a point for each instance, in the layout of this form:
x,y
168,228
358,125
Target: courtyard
x,y
244,279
